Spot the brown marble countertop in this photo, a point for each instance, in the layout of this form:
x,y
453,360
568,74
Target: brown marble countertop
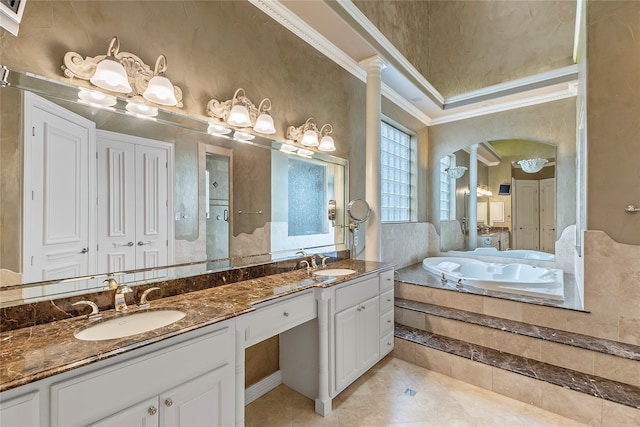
x,y
37,352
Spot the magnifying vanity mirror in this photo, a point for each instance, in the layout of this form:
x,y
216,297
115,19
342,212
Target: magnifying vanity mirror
x,y
359,211
90,190
516,211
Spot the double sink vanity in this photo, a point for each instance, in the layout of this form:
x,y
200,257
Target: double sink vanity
x,y
181,360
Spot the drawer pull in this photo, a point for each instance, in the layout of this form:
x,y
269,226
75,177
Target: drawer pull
x,y
168,402
152,410
285,314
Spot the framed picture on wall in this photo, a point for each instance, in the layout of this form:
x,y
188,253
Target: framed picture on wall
x,y
11,14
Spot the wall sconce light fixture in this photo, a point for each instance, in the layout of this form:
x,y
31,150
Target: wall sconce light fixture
x,y
160,89
110,73
308,134
456,172
532,165
124,72
241,112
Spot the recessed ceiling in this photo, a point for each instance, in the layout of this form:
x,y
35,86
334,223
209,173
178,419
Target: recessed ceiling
x,y
342,32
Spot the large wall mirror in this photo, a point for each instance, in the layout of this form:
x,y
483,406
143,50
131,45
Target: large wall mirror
x,y
89,190
517,205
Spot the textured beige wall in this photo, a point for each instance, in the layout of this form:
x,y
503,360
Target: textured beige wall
x,y
461,46
552,123
613,118
10,180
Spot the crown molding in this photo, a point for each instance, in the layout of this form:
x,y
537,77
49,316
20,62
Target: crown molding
x,y
404,104
300,28
569,91
548,78
374,36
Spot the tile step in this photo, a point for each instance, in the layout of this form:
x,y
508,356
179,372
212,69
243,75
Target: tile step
x,y
624,394
600,345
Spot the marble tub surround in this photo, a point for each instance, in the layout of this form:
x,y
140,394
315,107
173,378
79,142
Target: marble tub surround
x,y
416,275
591,385
31,314
36,352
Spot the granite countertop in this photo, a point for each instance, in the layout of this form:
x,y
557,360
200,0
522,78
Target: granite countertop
x,y
37,352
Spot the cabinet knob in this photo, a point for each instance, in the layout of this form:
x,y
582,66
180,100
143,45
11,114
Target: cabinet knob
x,y
388,320
388,344
388,299
362,307
285,314
168,402
152,410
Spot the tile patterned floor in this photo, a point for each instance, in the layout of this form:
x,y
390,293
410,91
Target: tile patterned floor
x,y
383,397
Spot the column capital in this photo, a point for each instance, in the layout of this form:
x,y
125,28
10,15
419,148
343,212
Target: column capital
x,y
373,63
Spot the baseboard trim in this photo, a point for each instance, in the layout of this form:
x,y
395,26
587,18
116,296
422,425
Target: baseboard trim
x,y
262,387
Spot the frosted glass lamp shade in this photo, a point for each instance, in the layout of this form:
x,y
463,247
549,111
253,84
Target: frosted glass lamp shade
x,y
310,138
264,124
160,90
239,116
327,144
456,172
532,165
110,75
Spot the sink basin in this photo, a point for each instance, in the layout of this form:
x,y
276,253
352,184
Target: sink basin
x,y
127,325
334,272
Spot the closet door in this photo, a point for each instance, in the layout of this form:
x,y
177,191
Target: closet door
x,y
116,203
58,213
152,206
526,215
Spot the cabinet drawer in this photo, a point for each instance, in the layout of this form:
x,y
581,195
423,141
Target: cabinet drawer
x,y
386,344
273,319
386,322
386,301
386,280
353,294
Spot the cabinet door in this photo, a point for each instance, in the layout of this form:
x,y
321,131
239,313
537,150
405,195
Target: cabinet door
x,y
204,401
347,366
368,333
143,414
21,411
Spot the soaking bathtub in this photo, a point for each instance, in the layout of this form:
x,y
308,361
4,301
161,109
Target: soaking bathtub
x,y
513,278
510,253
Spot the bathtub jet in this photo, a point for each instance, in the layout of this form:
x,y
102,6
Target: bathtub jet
x,y
513,278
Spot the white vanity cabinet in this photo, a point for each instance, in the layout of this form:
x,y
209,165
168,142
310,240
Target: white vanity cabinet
x,y
23,410
356,331
386,312
186,384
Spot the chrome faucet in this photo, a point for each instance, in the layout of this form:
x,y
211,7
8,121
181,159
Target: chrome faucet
x,y
119,301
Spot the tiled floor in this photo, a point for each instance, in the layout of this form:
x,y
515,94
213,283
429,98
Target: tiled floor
x,y
382,397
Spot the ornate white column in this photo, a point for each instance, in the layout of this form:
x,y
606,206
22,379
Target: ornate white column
x,y
373,66
473,197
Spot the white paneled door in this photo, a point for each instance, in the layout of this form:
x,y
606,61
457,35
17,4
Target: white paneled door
x,y
133,202
59,153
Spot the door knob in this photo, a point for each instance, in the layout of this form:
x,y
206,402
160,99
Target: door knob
x,y
84,250
632,209
141,243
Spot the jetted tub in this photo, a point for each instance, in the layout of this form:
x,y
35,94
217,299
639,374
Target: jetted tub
x,y
512,278
510,253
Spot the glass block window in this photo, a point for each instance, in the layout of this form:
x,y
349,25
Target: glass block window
x,y
395,171
307,207
445,189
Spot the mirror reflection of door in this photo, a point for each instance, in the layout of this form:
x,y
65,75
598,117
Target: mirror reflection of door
x,y
534,214
218,197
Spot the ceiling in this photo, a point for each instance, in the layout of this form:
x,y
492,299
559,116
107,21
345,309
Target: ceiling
x,y
457,43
